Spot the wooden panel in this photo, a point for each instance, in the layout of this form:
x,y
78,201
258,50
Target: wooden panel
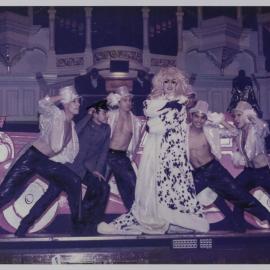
x,y
202,94
29,102
12,102
2,101
217,101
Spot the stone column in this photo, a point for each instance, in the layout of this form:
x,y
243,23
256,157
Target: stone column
x,y
180,55
30,14
51,12
260,58
260,32
179,16
239,16
200,16
146,52
51,66
88,53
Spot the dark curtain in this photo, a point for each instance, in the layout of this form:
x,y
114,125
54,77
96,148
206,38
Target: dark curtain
x,y
69,30
163,30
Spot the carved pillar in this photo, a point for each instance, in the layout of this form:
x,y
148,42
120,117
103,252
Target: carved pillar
x,y
200,16
239,16
88,53
260,32
51,66
51,12
30,14
179,16
180,55
261,58
146,52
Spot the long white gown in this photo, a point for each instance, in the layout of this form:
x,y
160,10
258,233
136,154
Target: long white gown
x,y
165,194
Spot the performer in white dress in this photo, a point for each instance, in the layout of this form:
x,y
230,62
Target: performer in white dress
x,y
165,194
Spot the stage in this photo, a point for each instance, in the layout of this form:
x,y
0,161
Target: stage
x,y
50,240
56,246
214,247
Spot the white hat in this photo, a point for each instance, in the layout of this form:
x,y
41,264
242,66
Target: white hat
x,y
68,94
113,99
200,107
123,91
242,106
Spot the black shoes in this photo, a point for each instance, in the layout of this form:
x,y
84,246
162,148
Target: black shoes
x,y
21,231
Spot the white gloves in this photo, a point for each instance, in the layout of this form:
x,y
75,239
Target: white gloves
x,y
68,94
183,99
215,118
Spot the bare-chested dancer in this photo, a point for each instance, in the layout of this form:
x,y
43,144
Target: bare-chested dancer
x,y
204,154
125,131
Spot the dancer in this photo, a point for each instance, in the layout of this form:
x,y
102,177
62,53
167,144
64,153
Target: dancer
x,y
165,195
94,138
125,133
205,153
251,148
56,144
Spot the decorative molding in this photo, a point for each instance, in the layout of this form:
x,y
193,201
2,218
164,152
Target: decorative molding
x,y
69,61
118,54
221,57
158,62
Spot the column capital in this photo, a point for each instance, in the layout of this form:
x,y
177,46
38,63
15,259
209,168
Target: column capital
x,y
88,11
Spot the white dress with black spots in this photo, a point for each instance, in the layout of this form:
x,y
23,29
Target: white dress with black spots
x,y
165,193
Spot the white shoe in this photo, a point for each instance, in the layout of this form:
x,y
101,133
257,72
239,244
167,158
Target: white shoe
x,y
109,228
174,229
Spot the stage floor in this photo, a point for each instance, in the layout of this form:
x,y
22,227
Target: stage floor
x,y
213,247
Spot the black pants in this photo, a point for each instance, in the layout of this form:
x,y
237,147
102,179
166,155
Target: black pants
x,y
220,180
33,162
251,178
95,199
124,174
236,221
93,207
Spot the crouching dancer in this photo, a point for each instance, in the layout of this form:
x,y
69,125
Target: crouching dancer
x,y
251,149
205,153
94,137
57,144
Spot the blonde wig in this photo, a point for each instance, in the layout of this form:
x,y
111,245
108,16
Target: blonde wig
x,y
163,75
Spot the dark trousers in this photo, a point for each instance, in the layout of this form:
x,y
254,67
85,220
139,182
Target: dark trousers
x,y
236,221
124,174
251,178
95,199
93,206
33,162
221,181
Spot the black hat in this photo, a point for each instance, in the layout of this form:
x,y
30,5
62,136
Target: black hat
x,y
99,105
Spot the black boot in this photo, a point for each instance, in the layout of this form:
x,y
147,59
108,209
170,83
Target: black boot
x,y
235,218
78,227
22,230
